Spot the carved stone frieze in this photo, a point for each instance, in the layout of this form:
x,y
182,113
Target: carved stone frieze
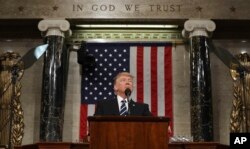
x,y
127,9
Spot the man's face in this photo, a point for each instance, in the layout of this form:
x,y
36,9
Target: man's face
x,y
122,83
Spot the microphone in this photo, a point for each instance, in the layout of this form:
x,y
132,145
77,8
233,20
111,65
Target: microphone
x,y
128,93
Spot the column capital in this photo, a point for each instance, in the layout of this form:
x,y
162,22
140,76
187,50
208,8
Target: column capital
x,y
57,27
198,27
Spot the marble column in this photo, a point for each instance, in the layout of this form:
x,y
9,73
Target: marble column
x,y
55,72
198,33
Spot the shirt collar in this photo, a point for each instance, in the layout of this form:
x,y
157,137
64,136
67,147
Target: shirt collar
x,y
121,99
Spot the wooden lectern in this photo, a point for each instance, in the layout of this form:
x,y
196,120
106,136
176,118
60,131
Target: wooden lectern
x,y
132,132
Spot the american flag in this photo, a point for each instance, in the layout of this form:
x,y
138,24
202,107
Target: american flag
x,y
149,63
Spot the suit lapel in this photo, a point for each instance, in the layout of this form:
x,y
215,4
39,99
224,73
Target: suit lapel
x,y
115,106
132,107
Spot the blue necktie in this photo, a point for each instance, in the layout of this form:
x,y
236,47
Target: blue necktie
x,y
123,110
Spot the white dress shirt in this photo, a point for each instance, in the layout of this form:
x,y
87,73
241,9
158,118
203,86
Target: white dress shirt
x,y
120,99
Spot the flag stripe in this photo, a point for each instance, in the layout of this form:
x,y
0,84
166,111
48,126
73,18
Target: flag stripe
x,y
140,73
83,120
161,81
168,84
154,81
133,67
147,75
91,109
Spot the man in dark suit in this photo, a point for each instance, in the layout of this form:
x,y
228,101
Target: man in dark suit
x,y
120,105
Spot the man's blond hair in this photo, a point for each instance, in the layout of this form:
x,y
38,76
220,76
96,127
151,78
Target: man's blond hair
x,y
122,74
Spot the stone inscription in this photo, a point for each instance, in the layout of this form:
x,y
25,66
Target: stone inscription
x,y
140,9
127,7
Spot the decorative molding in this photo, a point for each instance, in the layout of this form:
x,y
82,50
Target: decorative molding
x,y
10,100
240,113
125,35
199,8
233,9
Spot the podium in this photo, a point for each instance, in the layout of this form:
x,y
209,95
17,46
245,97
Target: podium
x,y
132,132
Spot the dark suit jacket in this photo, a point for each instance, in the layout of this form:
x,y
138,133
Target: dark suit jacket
x,y
110,107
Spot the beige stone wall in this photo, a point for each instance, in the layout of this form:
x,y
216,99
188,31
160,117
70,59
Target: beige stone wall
x,y
181,91
131,9
221,83
73,96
